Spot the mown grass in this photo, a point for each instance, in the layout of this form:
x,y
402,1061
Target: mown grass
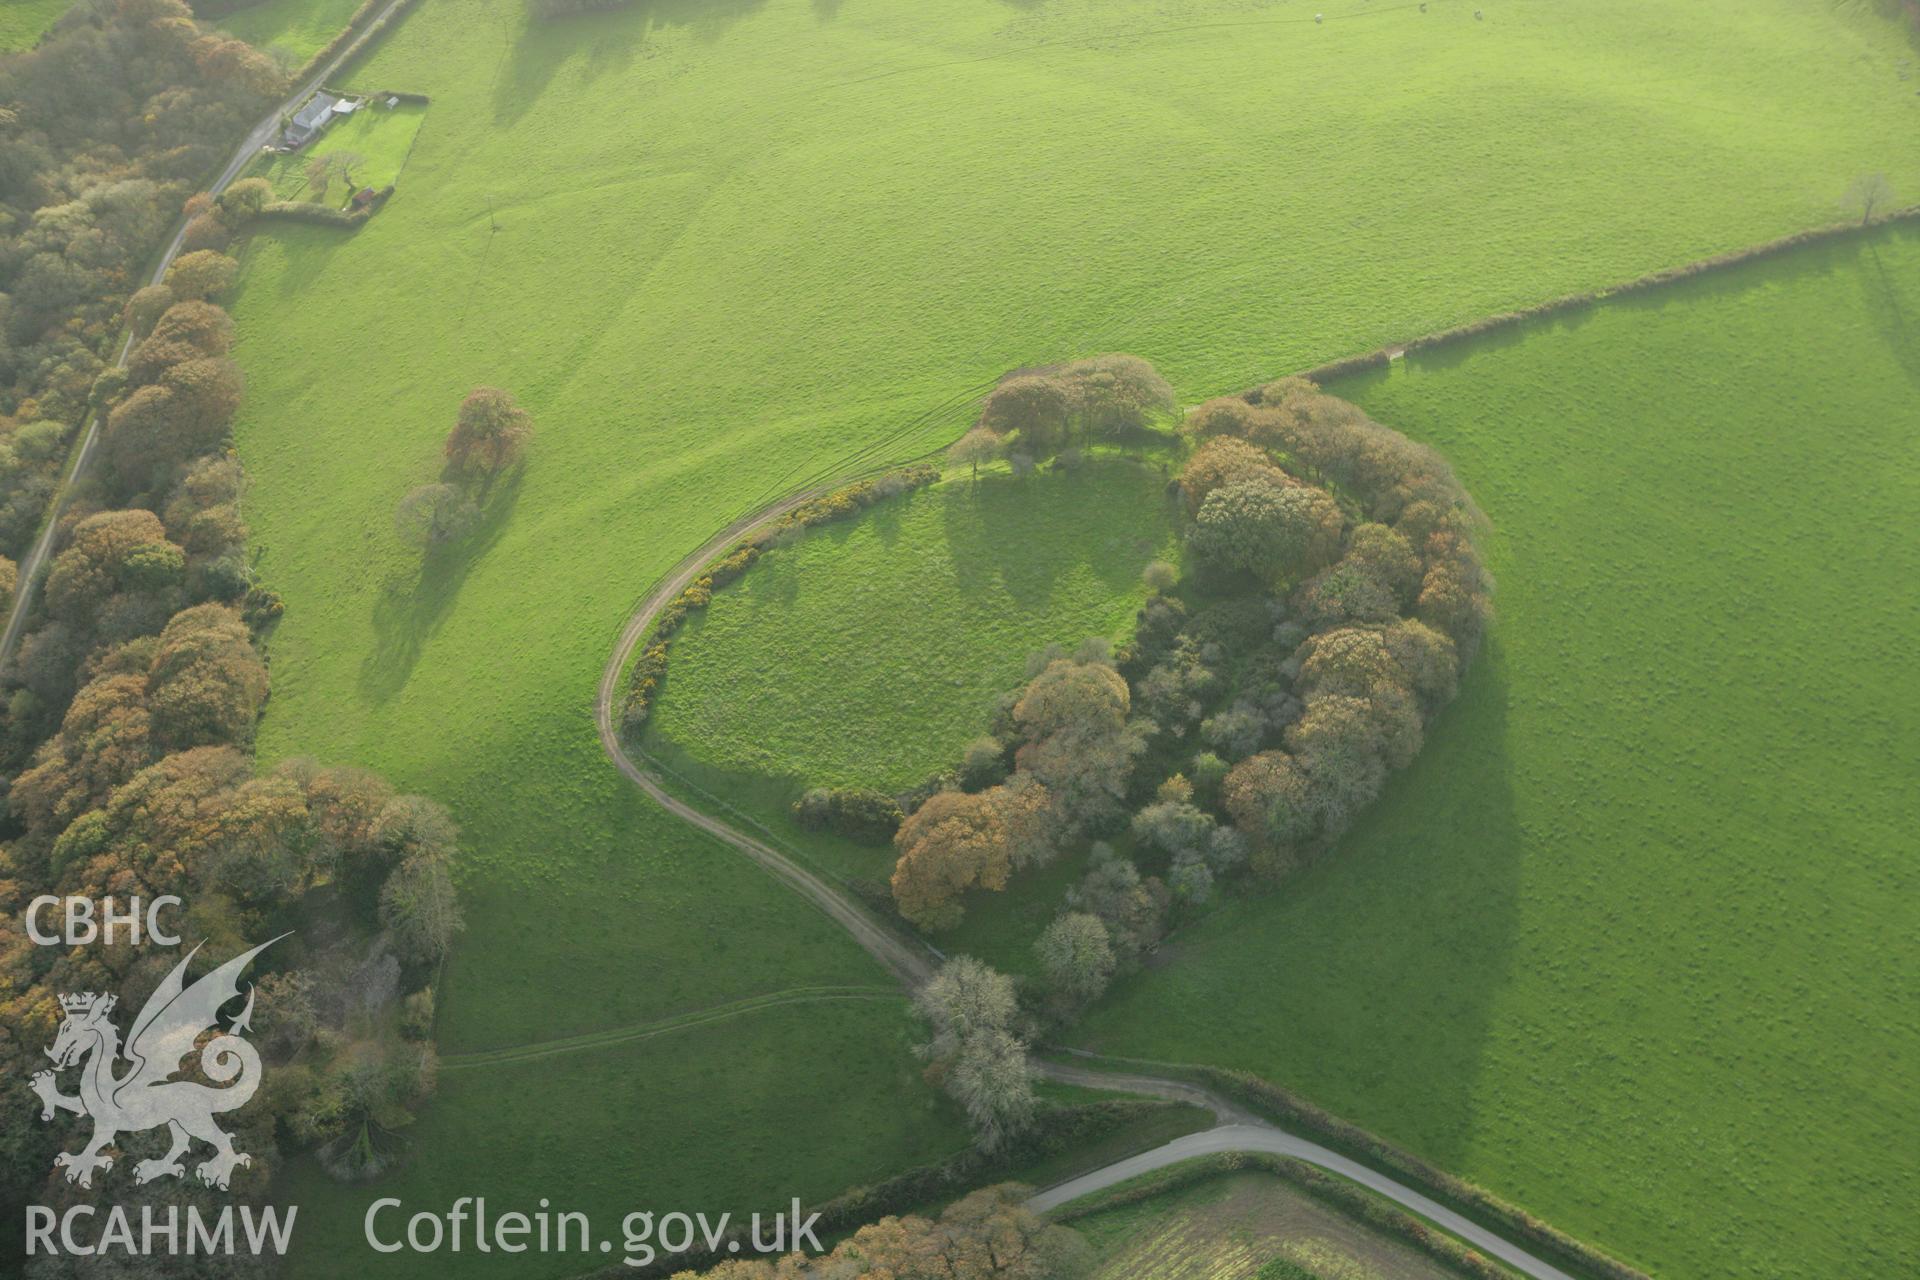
x,y
293,30
381,137
22,22
1232,1226
1631,943
719,249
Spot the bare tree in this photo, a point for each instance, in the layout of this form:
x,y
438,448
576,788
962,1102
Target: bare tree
x,y
322,169
1868,193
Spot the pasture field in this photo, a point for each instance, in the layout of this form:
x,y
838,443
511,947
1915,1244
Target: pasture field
x,y
23,21
795,1092
1244,1226
736,246
383,139
293,30
1632,942
870,652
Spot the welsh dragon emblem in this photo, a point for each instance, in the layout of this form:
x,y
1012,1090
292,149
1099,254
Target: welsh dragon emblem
x,y
144,1096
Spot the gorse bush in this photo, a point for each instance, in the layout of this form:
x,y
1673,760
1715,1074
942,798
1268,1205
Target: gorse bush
x,y
858,813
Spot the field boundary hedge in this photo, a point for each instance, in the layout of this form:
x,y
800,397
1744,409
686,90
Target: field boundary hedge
x,y
352,40
1056,1129
1380,357
1341,1195
643,681
1304,1118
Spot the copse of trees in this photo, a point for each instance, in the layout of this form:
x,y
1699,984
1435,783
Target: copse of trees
x,y
109,120
1261,703
127,716
1042,413
490,436
975,1049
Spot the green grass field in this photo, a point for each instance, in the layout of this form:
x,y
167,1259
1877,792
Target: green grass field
x,y
382,138
1235,1227
794,1083
1632,942
291,29
734,246
965,580
23,21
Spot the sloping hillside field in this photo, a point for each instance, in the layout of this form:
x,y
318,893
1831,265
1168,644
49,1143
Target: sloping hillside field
x,y
1633,940
725,249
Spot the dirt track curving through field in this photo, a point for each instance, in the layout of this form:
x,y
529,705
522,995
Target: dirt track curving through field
x,y
912,962
82,455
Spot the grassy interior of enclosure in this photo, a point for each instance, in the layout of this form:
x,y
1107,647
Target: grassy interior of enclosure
x,y
1632,942
380,136
734,246
293,30
1230,1227
871,652
23,21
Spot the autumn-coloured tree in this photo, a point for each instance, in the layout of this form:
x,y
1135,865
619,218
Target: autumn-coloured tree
x,y
1032,408
205,231
201,275
146,306
323,168
1079,742
109,552
1272,803
1115,394
956,841
1273,531
1229,416
1224,460
490,435
977,446
207,682
245,198
987,1235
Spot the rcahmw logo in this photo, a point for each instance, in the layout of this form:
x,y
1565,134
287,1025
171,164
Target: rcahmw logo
x,y
144,1095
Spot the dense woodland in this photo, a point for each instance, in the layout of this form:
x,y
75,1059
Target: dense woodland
x,y
127,714
104,129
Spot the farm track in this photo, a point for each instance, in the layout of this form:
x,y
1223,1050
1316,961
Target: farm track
x,y
83,452
912,962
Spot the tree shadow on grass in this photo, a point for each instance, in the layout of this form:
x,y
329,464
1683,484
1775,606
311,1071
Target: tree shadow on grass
x,y
308,251
610,40
1895,307
413,605
1008,531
